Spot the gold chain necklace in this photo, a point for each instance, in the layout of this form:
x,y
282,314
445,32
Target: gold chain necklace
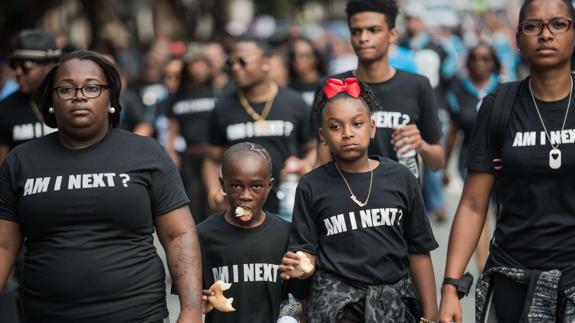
x,y
352,196
259,118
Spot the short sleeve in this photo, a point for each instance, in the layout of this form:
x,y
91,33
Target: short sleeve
x,y
430,127
304,235
216,133
416,228
479,155
167,191
8,193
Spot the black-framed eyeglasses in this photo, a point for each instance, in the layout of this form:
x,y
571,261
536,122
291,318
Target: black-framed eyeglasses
x,y
24,64
535,27
243,61
91,91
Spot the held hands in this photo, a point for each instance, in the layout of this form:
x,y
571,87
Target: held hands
x,y
407,135
450,308
294,265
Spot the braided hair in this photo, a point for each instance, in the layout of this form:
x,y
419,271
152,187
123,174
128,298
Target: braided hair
x,y
242,149
366,96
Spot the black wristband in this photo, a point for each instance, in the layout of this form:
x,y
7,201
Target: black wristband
x,y
462,285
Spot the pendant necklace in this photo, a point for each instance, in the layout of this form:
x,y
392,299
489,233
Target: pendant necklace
x,y
352,196
260,119
554,153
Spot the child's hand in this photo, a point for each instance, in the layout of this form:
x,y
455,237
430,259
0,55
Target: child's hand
x,y
206,305
291,267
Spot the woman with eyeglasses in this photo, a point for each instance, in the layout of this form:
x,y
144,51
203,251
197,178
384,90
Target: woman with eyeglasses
x,y
86,200
529,275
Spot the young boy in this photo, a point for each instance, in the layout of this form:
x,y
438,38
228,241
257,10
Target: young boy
x,y
245,244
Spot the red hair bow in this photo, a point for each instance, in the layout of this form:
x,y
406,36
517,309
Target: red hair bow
x,y
335,86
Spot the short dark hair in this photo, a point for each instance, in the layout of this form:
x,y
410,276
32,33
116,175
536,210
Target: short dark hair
x,y
260,43
388,8
366,95
43,96
248,148
526,4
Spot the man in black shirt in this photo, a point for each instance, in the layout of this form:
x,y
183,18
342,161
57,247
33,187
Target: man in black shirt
x,y
244,246
409,111
35,52
261,112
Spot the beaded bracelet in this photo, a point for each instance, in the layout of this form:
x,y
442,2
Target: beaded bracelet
x,y
424,320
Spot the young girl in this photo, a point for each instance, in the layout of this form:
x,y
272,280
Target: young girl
x,y
361,222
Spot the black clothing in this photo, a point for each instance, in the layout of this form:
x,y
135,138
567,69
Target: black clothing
x,y
283,133
537,209
88,218
249,259
133,110
192,111
406,98
307,90
367,245
18,122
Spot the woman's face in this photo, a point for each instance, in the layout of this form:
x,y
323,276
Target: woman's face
x,y
481,62
546,48
83,112
303,58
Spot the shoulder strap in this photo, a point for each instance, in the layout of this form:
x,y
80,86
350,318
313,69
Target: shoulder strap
x,y
500,113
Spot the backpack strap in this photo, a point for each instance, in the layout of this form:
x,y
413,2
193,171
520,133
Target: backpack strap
x,y
500,114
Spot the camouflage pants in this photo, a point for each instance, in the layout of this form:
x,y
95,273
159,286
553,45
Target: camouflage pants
x,y
383,303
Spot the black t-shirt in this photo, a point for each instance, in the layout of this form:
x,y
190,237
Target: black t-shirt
x,y
133,110
285,130
463,100
406,98
192,111
87,216
370,244
18,123
537,217
307,90
249,259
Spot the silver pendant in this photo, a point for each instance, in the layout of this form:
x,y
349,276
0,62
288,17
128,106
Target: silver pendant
x,y
358,202
555,158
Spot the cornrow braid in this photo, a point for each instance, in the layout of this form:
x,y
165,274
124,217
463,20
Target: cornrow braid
x,y
320,101
245,148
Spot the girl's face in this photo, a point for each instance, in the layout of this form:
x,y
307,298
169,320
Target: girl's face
x,y
347,128
546,48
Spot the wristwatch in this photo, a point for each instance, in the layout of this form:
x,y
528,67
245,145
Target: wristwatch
x,y
462,285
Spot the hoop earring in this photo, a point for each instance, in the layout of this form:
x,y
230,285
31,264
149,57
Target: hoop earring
x,y
112,110
51,110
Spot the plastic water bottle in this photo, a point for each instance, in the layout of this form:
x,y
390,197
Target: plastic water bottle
x,y
408,157
286,195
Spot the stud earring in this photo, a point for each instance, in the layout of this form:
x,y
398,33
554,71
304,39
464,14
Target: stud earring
x,y
50,110
112,110
324,143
